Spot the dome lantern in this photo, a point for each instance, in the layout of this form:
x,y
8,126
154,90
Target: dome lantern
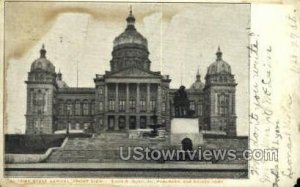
x,y
43,52
130,20
219,54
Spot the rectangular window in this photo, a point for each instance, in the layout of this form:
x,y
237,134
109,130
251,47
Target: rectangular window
x,y
122,104
143,105
100,90
163,107
111,105
152,105
101,106
85,109
132,105
192,105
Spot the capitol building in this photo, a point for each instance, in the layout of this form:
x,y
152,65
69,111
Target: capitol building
x,y
129,96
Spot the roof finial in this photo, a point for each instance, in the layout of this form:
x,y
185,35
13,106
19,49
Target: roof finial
x,y
43,51
130,20
198,75
59,75
130,10
219,53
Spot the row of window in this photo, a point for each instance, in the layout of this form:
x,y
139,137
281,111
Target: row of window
x,y
132,105
164,91
76,108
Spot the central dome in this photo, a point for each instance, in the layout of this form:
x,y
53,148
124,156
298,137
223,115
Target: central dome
x,y
130,49
130,35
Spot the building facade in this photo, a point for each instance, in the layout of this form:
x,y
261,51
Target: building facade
x,y
129,96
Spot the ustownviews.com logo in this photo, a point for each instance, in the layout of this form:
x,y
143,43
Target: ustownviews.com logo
x,y
146,153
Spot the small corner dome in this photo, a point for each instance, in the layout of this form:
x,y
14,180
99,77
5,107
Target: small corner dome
x,y
130,35
197,85
42,63
219,66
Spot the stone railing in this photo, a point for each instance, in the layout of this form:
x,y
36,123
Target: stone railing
x,y
32,158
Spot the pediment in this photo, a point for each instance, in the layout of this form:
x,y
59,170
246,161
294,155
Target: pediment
x,y
134,72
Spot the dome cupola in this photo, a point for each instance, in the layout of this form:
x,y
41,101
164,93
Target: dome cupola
x,y
197,85
42,63
219,72
219,66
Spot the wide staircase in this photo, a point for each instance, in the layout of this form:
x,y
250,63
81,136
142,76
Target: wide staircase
x,y
101,148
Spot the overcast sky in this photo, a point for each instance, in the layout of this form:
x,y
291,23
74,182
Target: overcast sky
x,y
181,38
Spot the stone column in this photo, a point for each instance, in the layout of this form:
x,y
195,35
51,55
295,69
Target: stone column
x,y
233,103
137,98
116,122
127,107
117,98
126,122
148,103
105,122
158,106
106,98
229,109
127,98
138,105
148,98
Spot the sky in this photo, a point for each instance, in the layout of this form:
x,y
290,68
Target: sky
x,y
181,39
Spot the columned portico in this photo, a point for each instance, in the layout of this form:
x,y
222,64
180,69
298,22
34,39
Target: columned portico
x,y
118,103
137,105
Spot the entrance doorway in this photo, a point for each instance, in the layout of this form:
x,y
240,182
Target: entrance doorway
x,y
143,121
122,124
111,122
187,144
132,122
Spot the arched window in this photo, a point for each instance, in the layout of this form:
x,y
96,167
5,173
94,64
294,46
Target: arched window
x,y
92,107
223,104
39,102
77,108
85,108
61,107
69,108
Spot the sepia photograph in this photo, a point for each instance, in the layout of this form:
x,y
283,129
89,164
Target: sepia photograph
x,y
127,90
